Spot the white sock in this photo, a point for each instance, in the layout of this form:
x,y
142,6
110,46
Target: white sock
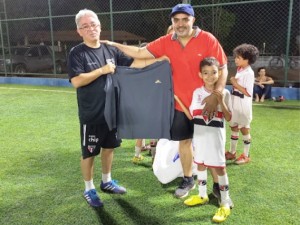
x,y
224,190
89,185
247,142
202,180
234,141
106,177
137,151
153,152
153,142
144,143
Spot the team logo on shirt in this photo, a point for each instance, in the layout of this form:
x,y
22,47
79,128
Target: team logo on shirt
x,y
198,113
112,60
206,119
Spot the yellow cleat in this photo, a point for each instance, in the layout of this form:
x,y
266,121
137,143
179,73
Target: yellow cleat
x,y
196,200
137,159
221,215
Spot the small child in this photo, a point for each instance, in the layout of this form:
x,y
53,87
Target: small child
x,y
140,145
209,138
242,91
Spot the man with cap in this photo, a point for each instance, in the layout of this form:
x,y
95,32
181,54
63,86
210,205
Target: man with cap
x,y
185,48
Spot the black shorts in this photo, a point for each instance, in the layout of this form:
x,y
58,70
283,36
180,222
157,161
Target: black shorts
x,y
182,128
97,136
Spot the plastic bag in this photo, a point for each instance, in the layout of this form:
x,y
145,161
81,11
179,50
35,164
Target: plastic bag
x,y
167,166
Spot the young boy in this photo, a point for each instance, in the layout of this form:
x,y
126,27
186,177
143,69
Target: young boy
x,y
209,138
242,91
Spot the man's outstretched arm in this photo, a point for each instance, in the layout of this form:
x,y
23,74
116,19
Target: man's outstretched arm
x,y
132,51
141,63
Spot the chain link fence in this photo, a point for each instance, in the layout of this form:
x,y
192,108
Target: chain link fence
x,y
271,25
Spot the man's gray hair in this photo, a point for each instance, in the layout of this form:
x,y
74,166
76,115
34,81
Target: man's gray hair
x,y
85,12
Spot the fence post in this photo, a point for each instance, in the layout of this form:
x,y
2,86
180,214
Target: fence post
x,y
288,43
111,20
52,37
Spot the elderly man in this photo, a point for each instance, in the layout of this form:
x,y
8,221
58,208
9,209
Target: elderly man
x,y
88,64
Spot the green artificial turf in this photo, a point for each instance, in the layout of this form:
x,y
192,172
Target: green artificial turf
x,y
41,182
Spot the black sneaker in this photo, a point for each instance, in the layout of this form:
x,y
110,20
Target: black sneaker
x,y
184,188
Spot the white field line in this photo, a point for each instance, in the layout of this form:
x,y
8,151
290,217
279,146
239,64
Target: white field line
x,y
36,89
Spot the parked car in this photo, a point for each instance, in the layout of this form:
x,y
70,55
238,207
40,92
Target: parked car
x,y
31,59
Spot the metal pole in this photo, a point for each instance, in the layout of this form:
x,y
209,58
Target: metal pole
x,y
288,43
111,20
3,49
52,38
7,40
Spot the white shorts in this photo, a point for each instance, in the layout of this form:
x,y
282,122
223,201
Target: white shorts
x,y
209,146
235,124
241,112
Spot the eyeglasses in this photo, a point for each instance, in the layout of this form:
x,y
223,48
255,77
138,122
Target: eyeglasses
x,y
89,27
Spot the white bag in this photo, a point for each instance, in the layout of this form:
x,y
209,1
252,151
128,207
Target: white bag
x,y
167,165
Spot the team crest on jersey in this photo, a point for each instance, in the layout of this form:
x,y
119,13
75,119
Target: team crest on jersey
x,y
91,148
112,60
206,119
